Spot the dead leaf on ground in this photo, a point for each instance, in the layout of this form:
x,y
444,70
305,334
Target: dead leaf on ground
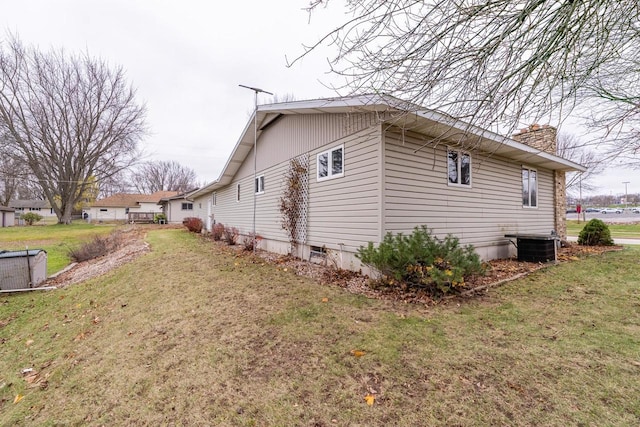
x,y
325,299
18,398
370,399
357,353
31,378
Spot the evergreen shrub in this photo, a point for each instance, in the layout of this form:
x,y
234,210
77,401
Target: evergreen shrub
x,y
422,260
595,233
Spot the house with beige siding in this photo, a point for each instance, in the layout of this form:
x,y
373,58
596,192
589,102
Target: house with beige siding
x,y
126,207
40,207
177,208
373,165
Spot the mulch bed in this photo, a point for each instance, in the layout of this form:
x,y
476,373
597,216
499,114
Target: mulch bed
x,y
498,272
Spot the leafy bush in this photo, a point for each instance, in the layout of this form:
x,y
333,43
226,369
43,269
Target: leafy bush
x,y
421,260
96,247
160,218
193,224
217,231
231,235
595,233
31,217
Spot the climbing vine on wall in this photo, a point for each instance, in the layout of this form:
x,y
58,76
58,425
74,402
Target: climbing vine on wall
x,y
293,202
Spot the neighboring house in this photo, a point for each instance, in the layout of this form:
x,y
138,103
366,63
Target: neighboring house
x,y
178,207
375,165
7,216
127,207
41,207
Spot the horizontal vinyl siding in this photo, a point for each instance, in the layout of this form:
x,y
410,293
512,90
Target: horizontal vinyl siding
x,y
240,214
293,135
416,193
199,208
346,209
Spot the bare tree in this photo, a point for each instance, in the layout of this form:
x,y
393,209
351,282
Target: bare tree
x,y
572,148
495,63
10,172
68,118
116,183
163,176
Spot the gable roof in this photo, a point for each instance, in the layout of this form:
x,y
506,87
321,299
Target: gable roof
x,y
179,196
30,203
401,114
126,200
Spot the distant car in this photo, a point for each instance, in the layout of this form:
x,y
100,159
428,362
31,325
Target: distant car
x,y
611,210
571,211
635,210
592,210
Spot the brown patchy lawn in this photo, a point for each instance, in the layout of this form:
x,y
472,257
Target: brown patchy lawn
x,y
191,334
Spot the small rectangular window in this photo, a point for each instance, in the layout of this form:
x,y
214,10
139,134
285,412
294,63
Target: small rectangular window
x,y
259,184
187,206
103,210
458,167
529,188
238,193
213,199
331,163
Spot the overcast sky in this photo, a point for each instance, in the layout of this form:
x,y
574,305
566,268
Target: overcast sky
x,y
187,58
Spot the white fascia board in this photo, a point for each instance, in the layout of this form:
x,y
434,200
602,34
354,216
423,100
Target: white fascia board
x,y
554,162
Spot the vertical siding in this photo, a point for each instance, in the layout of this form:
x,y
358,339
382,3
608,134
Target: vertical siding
x,y
416,192
292,135
346,209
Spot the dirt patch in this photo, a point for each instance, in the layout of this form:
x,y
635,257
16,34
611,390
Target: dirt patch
x,y
131,246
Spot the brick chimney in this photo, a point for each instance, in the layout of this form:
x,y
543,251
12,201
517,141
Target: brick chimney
x,y
544,138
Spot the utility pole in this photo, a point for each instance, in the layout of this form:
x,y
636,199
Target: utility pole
x,y
626,195
255,152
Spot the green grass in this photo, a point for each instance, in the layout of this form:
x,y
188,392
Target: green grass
x,y
190,334
56,239
621,231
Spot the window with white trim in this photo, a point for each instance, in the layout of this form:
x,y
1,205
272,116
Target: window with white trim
x,y
529,188
259,184
238,193
214,199
187,206
458,167
330,163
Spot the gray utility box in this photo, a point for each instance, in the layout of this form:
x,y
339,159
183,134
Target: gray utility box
x,y
22,269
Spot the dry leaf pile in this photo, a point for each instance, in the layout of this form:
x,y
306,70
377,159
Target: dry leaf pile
x,y
498,271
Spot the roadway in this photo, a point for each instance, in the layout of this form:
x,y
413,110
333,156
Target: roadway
x,y
610,218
